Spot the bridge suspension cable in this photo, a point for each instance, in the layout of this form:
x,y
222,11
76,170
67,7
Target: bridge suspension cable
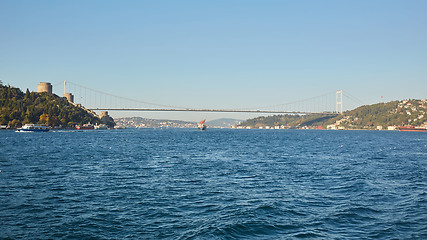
x,y
321,104
119,97
353,98
99,100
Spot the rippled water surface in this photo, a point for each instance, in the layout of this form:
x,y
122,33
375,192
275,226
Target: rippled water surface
x,y
214,184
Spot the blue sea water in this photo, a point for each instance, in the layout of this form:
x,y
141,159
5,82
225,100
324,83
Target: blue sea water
x,y
214,184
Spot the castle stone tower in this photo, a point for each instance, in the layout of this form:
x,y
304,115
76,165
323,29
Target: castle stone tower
x,y
69,97
44,87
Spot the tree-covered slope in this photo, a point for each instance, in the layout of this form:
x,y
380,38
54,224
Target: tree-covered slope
x,y
395,113
289,120
18,108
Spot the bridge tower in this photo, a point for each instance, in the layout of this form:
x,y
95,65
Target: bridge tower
x,y
68,96
339,102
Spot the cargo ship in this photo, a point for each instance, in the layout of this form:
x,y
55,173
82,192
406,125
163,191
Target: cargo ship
x,y
87,126
413,129
202,125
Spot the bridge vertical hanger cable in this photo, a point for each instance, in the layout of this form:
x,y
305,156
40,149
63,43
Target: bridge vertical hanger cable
x,y
132,101
294,105
99,100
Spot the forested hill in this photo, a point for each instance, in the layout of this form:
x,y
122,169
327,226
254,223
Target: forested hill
x,y
395,113
288,120
18,108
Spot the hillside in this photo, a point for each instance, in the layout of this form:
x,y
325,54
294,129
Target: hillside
x,y
223,122
376,116
287,121
18,108
381,115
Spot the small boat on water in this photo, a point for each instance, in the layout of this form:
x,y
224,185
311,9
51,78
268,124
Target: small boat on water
x,y
100,127
34,128
86,126
413,129
202,125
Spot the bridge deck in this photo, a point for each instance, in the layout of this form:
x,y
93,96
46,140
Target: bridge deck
x,y
207,110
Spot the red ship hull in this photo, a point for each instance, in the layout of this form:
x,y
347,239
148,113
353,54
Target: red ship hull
x,y
412,129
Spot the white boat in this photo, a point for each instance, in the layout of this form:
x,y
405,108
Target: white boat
x,y
34,128
101,126
86,126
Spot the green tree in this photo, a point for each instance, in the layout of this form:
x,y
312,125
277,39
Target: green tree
x,y
27,94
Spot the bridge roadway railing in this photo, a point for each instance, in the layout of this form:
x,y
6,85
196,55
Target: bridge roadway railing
x,y
207,110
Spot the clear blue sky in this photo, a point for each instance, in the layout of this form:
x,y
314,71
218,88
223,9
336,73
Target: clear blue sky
x,y
218,54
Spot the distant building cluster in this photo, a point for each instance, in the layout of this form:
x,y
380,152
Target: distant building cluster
x,y
138,122
410,108
262,127
336,125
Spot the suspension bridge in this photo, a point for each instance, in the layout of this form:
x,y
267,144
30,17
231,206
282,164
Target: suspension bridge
x,y
331,103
